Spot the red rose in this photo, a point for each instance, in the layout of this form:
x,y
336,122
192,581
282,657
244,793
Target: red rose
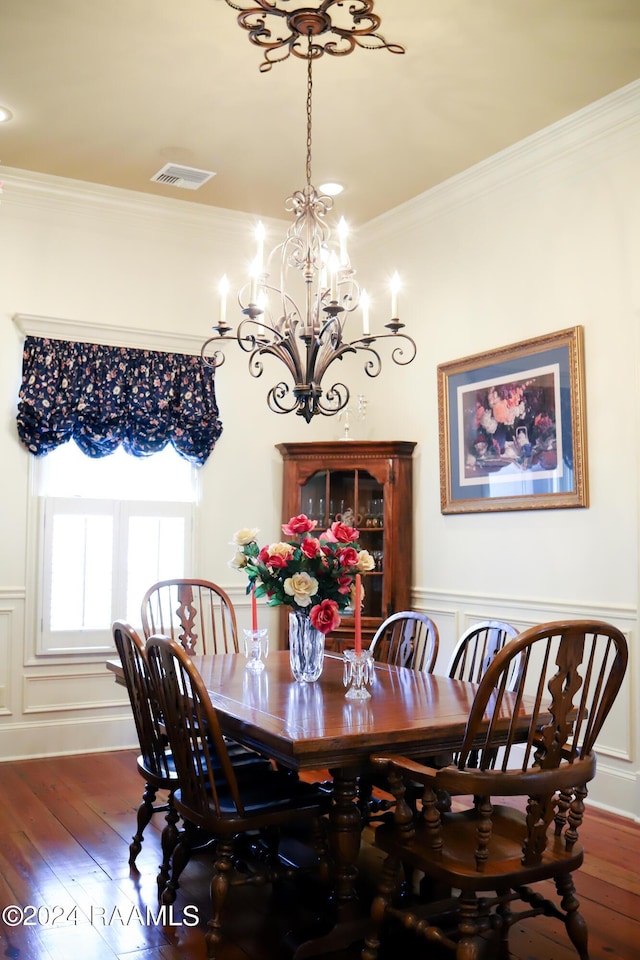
x,y
348,557
299,524
310,547
325,616
276,562
342,533
345,584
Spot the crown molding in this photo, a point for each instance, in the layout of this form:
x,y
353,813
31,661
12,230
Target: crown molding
x,y
139,338
26,188
564,146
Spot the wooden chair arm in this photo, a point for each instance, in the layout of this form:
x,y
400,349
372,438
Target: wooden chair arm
x,y
532,782
410,769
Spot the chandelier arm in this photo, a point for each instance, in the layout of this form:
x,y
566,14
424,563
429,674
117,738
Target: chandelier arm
x,y
397,354
278,393
260,322
331,407
332,329
218,357
373,365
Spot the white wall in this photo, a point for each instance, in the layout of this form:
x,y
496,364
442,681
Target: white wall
x,y
113,260
543,237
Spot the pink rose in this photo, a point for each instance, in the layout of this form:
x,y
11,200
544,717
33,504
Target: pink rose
x,y
348,557
325,616
341,533
345,584
310,547
299,524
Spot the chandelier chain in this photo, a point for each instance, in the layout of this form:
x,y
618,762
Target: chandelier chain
x,y
309,105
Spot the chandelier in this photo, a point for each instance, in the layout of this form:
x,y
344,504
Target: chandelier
x,y
296,302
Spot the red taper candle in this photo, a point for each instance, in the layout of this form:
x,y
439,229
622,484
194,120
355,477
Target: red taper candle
x,y
358,623
254,610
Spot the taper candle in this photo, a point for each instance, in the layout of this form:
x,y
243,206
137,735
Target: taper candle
x,y
343,230
254,610
260,248
364,306
358,616
223,289
334,267
395,287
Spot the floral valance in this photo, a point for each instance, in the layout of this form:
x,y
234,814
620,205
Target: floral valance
x,y
103,396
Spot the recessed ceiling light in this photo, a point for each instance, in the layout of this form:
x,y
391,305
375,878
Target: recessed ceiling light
x,y
331,189
5,114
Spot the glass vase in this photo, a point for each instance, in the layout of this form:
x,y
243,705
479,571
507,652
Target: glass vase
x,y
306,648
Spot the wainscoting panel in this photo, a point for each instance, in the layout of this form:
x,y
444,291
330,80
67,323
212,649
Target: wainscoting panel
x,y
617,785
59,692
7,631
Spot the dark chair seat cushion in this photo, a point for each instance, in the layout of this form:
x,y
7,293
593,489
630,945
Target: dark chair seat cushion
x,y
246,763
270,794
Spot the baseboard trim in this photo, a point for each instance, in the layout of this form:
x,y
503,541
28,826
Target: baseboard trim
x,y
59,738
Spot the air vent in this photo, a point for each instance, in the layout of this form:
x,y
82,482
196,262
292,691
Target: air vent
x,y
188,178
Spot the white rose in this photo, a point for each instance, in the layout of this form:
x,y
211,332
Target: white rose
x,y
247,535
365,561
301,587
238,561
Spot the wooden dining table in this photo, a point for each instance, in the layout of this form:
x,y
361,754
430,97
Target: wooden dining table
x,y
311,726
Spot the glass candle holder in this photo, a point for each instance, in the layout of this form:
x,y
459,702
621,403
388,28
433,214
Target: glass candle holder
x,y
358,674
256,647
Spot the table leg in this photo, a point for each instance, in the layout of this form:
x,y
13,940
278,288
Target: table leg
x,y
345,829
347,922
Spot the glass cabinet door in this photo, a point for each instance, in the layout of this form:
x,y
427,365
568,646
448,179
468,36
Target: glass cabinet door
x,y
366,484
357,499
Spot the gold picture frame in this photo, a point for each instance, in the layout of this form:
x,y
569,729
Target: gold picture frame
x,y
512,425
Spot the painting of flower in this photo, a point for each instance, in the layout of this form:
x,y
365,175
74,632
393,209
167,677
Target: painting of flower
x,y
511,423
513,427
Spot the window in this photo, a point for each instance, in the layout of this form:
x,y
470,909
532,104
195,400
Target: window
x,y
110,527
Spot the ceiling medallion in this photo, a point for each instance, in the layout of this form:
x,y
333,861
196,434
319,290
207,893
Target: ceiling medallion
x,y
299,317
280,31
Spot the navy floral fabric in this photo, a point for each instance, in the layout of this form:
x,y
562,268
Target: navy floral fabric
x,y
102,397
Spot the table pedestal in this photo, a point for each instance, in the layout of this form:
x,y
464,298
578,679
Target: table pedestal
x,y
346,921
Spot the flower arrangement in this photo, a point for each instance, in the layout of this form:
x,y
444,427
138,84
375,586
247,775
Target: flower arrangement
x,y
512,421
313,574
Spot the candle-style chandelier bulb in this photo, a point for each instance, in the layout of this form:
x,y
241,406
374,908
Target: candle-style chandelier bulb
x,y
308,278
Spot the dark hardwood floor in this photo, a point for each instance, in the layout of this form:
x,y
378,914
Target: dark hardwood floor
x,y
65,827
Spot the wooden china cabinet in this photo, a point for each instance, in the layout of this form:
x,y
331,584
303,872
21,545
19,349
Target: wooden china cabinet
x,y
367,484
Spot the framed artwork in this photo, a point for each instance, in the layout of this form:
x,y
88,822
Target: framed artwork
x,y
512,427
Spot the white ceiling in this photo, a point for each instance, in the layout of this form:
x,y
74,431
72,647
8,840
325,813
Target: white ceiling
x,y
108,91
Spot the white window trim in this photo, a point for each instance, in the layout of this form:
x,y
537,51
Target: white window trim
x,y
38,647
